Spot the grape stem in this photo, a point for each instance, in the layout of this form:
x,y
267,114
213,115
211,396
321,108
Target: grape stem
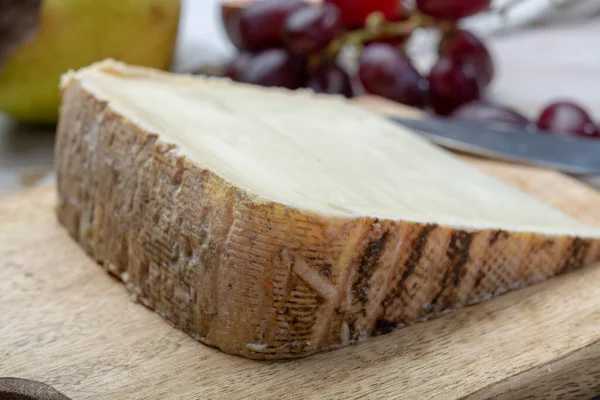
x,y
360,36
376,27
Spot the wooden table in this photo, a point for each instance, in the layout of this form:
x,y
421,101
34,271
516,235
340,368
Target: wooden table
x,y
152,360
66,322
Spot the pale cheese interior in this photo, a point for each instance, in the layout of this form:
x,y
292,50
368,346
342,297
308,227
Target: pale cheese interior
x,y
318,153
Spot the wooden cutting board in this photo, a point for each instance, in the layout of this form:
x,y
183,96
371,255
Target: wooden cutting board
x,y
65,322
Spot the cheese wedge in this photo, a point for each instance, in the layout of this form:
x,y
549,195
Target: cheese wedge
x,y
276,224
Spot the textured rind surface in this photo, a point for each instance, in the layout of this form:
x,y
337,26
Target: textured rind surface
x,y
260,279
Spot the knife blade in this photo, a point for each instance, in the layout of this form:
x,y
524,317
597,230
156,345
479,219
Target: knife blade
x,y
577,156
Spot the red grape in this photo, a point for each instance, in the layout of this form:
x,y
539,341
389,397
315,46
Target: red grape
x,y
261,22
451,9
273,67
230,16
310,29
237,65
331,79
403,13
566,118
355,12
465,46
387,72
480,111
452,83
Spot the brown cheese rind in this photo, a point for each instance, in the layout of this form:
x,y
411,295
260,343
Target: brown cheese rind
x,y
258,278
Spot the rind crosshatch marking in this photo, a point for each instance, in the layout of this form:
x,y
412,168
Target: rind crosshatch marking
x,y
259,278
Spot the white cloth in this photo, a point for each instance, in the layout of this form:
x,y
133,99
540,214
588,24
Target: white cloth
x,y
506,16
202,39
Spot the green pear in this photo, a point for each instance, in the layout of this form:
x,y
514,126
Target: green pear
x,y
76,33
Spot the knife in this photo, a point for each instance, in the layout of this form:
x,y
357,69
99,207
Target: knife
x,y
577,156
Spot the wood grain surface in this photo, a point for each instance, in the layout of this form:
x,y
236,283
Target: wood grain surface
x,y
65,322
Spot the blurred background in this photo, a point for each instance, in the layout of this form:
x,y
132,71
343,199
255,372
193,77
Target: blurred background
x,y
542,50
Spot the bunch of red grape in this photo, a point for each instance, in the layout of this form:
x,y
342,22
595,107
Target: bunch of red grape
x,y
296,43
